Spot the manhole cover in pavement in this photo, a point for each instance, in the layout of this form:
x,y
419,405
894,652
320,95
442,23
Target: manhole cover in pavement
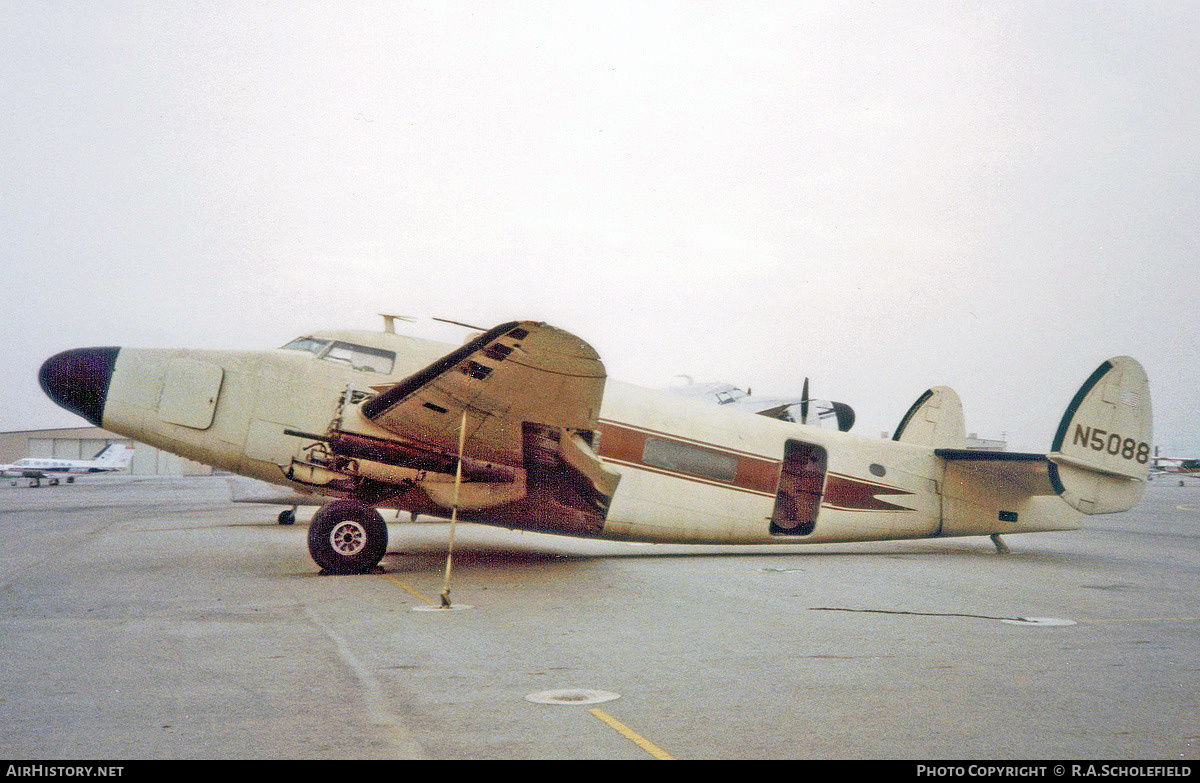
x,y
571,696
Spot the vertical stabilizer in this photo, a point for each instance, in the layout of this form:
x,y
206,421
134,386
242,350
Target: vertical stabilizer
x,y
1101,454
935,419
117,455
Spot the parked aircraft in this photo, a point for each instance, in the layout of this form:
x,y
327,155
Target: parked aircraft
x,y
800,410
520,427
1184,468
113,457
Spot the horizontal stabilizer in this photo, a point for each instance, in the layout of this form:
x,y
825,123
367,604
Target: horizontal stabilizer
x,y
1101,455
1027,473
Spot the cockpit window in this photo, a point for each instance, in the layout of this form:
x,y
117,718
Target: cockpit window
x,y
309,344
360,357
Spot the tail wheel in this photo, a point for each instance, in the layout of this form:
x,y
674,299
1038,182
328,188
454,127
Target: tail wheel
x,y
346,537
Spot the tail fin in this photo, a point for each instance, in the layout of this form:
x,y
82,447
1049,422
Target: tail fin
x,y
1101,454
116,455
935,419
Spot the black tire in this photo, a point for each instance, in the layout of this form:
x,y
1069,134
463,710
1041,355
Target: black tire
x,y
346,537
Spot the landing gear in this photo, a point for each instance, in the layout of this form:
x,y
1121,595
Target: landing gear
x,y
347,537
287,516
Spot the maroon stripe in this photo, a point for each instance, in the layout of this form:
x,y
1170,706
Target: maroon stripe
x,y
853,495
625,444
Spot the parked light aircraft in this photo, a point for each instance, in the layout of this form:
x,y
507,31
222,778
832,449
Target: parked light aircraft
x,y
1184,468
520,427
113,457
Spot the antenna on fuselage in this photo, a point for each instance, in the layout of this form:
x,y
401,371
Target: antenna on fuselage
x,y
389,321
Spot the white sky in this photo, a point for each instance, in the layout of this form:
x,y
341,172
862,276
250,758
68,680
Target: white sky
x,y
883,196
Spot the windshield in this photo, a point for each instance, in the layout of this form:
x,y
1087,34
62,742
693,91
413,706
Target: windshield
x,y
309,344
359,357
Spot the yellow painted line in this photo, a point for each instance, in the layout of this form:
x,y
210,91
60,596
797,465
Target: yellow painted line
x,y
411,591
633,736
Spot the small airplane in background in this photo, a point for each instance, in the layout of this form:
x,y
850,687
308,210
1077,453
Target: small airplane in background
x,y
113,457
1182,467
520,427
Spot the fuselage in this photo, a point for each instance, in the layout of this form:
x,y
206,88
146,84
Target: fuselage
x,y
690,472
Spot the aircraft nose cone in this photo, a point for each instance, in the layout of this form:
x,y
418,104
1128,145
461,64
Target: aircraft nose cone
x,y
78,380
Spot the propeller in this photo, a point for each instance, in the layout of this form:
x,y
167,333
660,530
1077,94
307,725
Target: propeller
x,y
840,410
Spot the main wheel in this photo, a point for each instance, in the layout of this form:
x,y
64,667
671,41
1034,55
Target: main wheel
x,y
346,537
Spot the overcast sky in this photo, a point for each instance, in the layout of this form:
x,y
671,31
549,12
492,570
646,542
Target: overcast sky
x,y
882,196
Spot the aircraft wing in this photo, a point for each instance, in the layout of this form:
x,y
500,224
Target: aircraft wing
x,y
517,373
530,395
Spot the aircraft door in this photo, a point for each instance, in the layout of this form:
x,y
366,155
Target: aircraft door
x,y
801,485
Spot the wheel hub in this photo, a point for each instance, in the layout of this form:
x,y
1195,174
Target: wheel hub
x,y
348,538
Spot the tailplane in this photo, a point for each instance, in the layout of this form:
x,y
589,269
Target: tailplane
x,y
1101,455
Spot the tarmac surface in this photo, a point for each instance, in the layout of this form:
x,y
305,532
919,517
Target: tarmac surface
x,y
151,618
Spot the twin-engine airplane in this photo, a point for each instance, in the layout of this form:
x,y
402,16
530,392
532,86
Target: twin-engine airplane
x,y
113,457
520,427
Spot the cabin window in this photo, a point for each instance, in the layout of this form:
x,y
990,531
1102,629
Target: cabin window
x,y
360,357
685,458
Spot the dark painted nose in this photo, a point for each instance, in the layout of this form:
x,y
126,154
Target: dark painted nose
x,y
78,380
